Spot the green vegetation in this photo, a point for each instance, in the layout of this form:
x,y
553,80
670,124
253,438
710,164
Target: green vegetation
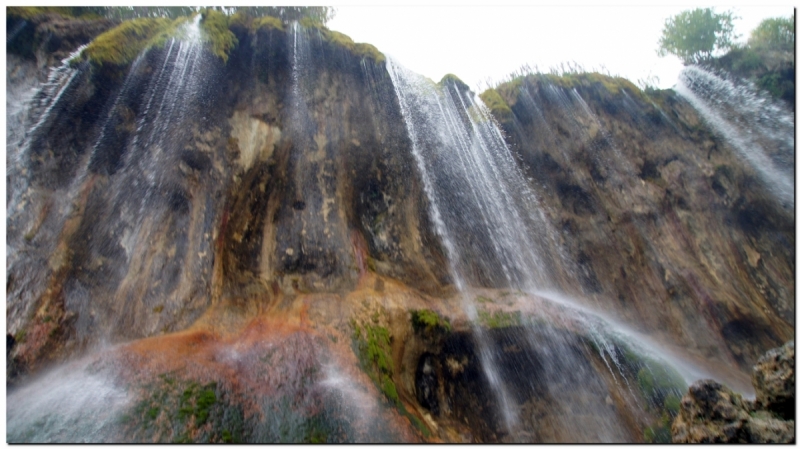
x,y
196,401
695,35
179,411
29,12
373,349
268,22
362,50
450,78
429,321
500,319
344,41
659,433
122,44
19,337
220,38
496,104
773,34
657,382
372,344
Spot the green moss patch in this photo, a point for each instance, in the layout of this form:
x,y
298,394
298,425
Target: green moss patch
x,y
372,345
450,78
499,319
29,12
428,320
181,411
492,99
122,44
217,33
344,41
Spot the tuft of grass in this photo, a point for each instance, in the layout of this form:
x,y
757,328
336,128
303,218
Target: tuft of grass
x,y
217,33
29,12
344,41
500,319
119,46
450,78
197,402
268,22
428,320
492,99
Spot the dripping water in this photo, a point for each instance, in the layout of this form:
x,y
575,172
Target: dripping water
x,y
758,127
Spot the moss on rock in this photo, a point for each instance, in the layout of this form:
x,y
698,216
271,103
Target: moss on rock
x,y
428,320
217,33
450,78
122,44
496,104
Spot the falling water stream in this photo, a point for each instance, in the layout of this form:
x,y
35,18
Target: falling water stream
x,y
757,126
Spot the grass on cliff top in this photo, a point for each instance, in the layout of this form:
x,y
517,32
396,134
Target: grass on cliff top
x,y
29,12
450,78
253,24
217,33
122,44
500,98
119,46
343,40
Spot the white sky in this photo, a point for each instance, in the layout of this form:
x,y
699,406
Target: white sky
x,y
477,43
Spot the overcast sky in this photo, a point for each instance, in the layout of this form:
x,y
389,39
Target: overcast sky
x,y
477,43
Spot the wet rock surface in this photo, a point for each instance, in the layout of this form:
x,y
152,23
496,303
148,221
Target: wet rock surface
x,y
773,379
666,223
711,413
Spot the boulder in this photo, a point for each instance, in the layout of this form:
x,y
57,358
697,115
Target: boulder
x,y
773,379
711,413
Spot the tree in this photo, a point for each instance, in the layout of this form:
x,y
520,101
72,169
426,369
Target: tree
x,y
694,36
776,33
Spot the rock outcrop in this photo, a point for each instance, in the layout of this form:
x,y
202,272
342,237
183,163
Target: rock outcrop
x,y
773,379
712,413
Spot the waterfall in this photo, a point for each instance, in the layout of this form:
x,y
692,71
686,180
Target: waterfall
x,y
760,129
497,235
78,402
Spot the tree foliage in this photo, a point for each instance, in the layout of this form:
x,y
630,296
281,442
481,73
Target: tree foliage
x,y
694,36
776,33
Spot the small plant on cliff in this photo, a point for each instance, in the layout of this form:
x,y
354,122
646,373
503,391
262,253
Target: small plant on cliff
x,y
500,319
428,320
175,410
372,344
219,37
121,45
496,104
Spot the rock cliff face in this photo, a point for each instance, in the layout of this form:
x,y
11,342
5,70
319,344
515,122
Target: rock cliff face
x,y
668,226
206,241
